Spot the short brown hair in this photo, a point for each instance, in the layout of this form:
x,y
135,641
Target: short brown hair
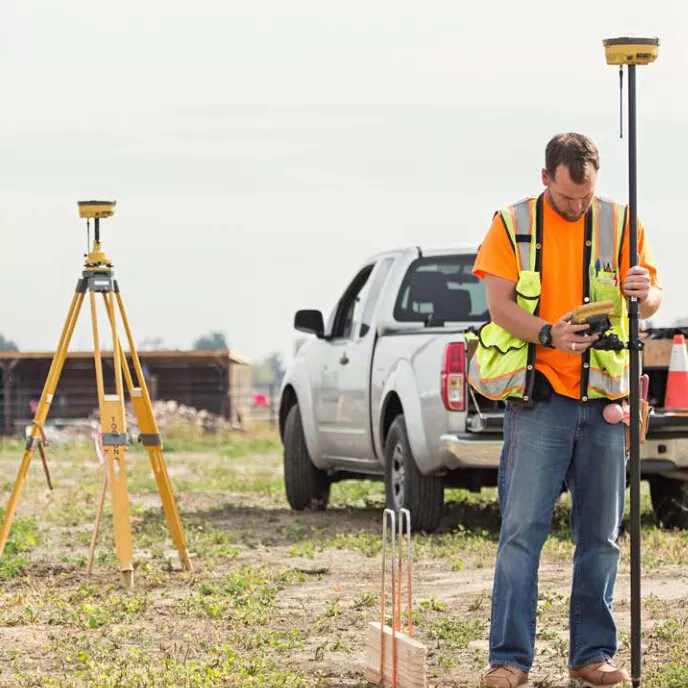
x,y
576,151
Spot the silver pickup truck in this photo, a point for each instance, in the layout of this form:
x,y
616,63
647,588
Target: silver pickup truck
x,y
380,392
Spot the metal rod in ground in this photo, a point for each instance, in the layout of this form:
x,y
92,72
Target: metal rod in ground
x,y
405,515
388,513
634,371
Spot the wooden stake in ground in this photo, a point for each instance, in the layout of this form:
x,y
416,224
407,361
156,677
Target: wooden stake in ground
x,y
395,658
101,503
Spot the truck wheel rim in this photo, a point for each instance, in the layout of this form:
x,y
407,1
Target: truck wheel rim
x,y
398,475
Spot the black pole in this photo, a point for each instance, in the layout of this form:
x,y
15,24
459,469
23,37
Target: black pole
x,y
97,230
634,371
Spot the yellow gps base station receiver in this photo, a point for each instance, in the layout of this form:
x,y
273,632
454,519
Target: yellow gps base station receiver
x,y
98,278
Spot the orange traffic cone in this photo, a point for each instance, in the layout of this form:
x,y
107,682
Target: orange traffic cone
x,y
677,381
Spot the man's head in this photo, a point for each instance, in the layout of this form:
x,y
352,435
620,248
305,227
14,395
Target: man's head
x,y
571,164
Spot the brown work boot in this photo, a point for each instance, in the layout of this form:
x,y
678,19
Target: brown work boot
x,y
599,675
504,677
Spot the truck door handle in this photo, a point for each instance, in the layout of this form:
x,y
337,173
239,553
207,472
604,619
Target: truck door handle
x,y
344,359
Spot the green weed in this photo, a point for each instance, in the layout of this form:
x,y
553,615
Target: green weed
x,y
23,537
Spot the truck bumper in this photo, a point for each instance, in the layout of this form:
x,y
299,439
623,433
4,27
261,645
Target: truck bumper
x,y
663,455
665,450
657,456
471,451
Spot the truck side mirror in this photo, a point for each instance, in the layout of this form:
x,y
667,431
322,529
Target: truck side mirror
x,y
310,321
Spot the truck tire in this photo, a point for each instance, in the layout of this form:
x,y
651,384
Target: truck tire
x,y
406,487
670,501
306,486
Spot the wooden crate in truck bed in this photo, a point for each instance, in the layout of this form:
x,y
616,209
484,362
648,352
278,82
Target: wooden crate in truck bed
x,y
657,352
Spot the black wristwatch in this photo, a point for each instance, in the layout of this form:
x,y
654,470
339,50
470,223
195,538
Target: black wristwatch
x,y
545,336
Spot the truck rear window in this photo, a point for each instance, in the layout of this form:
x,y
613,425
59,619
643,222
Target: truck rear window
x,y
444,287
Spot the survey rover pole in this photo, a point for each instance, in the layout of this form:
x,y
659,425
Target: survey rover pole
x,y
632,52
634,371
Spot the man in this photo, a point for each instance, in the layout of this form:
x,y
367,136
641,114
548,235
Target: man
x,y
540,259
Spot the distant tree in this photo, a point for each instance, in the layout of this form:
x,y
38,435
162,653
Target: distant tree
x,y
262,374
277,367
152,344
212,340
268,371
7,345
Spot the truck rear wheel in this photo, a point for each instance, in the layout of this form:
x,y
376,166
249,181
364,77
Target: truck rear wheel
x,y
307,486
670,501
406,487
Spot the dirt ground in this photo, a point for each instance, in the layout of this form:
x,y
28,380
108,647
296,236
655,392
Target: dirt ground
x,y
278,598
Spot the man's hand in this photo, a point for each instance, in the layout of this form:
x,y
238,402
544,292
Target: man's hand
x,y
637,283
571,338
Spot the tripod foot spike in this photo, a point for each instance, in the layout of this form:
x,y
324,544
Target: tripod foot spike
x,y
128,579
186,561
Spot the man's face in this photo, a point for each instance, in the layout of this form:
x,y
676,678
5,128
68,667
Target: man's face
x,y
570,200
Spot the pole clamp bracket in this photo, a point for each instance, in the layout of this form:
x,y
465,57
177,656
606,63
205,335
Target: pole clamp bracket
x,y
115,439
152,439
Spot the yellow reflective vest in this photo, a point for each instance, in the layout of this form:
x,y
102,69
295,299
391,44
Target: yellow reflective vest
x,y
502,365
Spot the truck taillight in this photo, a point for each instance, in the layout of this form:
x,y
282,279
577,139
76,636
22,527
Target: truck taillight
x,y
453,378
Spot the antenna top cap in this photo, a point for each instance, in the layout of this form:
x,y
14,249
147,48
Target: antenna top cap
x,y
631,50
96,209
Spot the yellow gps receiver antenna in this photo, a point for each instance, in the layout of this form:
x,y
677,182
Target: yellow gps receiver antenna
x,y
95,210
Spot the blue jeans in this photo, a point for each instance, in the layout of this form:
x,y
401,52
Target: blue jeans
x,y
558,440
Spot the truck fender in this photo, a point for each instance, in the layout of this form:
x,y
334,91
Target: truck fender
x,y
402,382
296,386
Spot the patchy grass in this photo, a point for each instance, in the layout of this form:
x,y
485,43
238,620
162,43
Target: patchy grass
x,y
109,662
277,598
21,541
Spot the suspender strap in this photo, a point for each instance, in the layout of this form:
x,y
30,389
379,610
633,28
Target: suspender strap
x,y
536,265
587,251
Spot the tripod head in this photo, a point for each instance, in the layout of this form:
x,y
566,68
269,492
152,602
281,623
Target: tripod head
x,y
95,210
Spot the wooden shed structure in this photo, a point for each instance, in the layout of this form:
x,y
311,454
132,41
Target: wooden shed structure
x,y
218,381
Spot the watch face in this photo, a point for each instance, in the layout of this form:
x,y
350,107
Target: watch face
x,y
545,336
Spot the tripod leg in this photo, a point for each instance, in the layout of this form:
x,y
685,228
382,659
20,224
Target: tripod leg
x,y
42,410
46,470
150,438
115,440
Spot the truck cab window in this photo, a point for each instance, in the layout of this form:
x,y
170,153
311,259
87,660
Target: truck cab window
x,y
444,287
376,284
348,310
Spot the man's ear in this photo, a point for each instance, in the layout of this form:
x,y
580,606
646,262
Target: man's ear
x,y
545,177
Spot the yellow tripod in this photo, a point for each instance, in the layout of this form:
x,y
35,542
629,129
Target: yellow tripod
x,y
98,277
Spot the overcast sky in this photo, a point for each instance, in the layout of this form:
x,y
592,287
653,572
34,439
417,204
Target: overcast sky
x,y
260,150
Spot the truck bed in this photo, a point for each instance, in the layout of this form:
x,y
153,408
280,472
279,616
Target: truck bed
x,y
664,451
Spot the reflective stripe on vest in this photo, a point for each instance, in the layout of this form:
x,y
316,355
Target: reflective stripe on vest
x,y
606,242
498,375
510,384
520,220
607,375
606,385
502,365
